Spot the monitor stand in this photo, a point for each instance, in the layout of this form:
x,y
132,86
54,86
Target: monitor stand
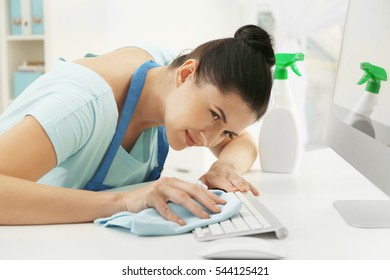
x,y
365,213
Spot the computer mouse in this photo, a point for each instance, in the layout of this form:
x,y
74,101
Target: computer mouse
x,y
243,248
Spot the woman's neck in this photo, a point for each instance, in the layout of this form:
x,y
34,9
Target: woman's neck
x,y
150,110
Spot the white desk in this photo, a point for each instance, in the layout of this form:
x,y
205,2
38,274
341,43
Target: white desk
x,y
302,201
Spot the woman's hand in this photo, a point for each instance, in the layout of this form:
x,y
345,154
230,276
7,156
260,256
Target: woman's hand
x,y
158,193
235,157
223,176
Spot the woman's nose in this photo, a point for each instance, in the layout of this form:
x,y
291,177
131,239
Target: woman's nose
x,y
211,138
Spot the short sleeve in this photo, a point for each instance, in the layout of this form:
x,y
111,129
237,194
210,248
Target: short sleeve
x,y
68,121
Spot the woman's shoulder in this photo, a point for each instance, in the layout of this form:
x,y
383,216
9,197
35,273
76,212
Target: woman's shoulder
x,y
161,55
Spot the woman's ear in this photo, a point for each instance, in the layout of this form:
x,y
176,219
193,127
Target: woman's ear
x,y
186,71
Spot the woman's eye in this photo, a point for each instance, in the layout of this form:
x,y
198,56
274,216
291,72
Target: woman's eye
x,y
214,115
228,134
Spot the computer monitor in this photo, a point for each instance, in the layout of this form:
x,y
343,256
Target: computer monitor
x,y
359,121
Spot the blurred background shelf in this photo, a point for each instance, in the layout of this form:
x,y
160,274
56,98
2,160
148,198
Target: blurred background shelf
x,y
19,44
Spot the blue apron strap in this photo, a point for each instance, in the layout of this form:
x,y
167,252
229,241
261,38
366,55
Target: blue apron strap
x,y
135,89
162,153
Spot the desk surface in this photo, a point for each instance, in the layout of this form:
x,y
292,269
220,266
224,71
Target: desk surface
x,y
302,201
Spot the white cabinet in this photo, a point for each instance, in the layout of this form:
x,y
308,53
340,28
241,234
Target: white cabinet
x,y
16,49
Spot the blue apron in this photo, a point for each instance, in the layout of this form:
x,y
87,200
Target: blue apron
x,y
136,86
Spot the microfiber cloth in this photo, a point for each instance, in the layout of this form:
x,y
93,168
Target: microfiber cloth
x,y
150,222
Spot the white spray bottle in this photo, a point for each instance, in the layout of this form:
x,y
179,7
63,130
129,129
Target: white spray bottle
x,y
360,116
280,139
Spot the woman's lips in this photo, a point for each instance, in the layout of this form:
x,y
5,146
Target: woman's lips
x,y
189,141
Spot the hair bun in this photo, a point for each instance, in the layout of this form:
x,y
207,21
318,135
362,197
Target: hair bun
x,y
258,39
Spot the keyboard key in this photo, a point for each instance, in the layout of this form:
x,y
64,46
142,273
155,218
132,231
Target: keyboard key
x,y
267,225
199,232
228,226
256,225
244,211
216,229
206,230
239,223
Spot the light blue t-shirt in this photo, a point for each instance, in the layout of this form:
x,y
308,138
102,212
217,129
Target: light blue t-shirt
x,y
76,107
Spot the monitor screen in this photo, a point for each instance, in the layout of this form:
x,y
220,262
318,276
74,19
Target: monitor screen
x,y
359,121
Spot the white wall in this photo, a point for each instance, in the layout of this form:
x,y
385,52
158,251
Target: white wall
x,y
74,28
77,27
177,24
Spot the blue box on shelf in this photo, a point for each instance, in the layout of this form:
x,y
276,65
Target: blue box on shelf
x,y
26,17
22,79
15,17
37,17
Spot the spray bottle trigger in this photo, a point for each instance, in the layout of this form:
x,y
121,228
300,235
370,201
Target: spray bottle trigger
x,y
373,75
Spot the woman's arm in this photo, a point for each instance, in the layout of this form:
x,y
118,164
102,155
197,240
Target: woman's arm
x,y
235,157
26,154
24,202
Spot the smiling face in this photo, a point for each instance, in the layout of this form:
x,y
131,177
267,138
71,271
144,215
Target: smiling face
x,y
200,115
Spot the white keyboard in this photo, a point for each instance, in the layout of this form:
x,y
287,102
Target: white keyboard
x,y
253,218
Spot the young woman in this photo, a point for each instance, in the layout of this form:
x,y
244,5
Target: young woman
x,y
106,121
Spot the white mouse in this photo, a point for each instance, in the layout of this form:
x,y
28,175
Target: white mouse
x,y
242,248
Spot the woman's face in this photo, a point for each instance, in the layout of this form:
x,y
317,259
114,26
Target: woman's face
x,y
203,116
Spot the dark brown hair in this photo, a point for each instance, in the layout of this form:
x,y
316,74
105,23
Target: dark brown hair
x,y
241,64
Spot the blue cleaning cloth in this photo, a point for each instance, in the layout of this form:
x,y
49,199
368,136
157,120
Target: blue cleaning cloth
x,y
150,222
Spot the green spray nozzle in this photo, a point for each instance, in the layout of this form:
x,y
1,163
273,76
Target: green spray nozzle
x,y
373,75
285,60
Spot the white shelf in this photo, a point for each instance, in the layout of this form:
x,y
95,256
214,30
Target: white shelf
x,y
25,38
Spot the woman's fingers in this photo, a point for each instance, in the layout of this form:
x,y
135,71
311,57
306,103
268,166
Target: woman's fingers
x,y
182,198
239,183
229,183
190,196
253,189
161,207
219,182
223,176
185,194
244,186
